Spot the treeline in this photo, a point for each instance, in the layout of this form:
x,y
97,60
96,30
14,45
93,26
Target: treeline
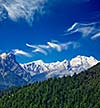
x,y
78,91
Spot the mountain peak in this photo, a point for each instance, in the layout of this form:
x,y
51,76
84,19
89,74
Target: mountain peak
x,y
65,61
11,54
81,60
39,70
3,55
39,62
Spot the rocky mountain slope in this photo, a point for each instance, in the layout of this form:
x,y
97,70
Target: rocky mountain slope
x,y
14,74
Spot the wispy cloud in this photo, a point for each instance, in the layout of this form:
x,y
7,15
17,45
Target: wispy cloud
x,y
3,14
21,52
86,29
58,46
44,49
40,50
96,36
25,9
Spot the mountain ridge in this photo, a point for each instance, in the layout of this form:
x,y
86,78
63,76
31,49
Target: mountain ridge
x,y
79,62
15,74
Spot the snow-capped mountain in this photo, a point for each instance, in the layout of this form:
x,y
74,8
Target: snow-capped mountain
x,y
59,69
13,74
40,67
81,63
10,71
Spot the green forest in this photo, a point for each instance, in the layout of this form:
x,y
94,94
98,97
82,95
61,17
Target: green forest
x,y
78,91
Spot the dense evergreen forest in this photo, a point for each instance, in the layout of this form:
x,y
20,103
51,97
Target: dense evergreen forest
x,y
78,91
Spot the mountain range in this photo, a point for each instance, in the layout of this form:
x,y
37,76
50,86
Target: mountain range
x,y
13,73
77,91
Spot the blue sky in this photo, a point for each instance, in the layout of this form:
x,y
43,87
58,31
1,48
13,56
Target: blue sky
x,y
50,30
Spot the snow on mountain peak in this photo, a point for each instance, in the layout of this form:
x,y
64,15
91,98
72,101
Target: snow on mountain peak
x,y
59,69
20,74
39,70
82,60
92,60
79,61
39,62
3,55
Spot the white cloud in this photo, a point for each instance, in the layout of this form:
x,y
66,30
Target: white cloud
x,y
31,46
40,50
21,52
96,36
44,46
86,29
25,9
72,27
73,44
57,46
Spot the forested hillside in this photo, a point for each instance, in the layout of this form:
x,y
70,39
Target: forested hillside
x,y
78,91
